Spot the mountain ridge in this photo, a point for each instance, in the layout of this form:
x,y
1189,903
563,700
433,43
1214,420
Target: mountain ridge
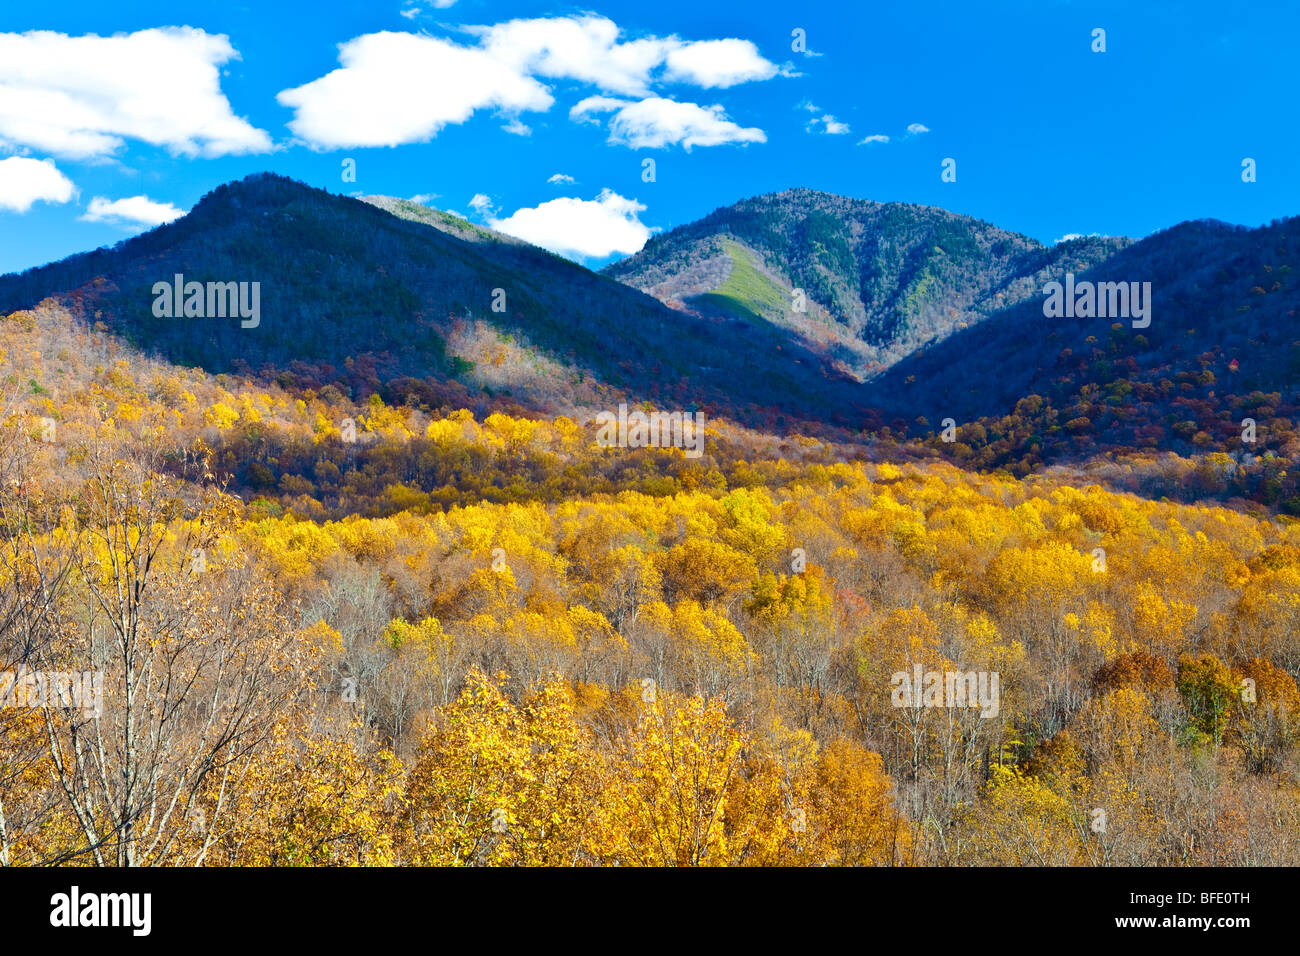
x,y
356,295
383,295
1223,346
878,279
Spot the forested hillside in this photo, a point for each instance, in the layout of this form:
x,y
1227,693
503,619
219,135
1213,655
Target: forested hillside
x,y
368,583
1223,346
621,657
880,279
355,296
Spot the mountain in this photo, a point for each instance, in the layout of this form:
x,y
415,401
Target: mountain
x,y
388,296
1223,345
915,315
449,223
879,279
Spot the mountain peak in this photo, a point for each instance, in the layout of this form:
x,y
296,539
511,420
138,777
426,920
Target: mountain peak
x,y
864,282
447,222
389,294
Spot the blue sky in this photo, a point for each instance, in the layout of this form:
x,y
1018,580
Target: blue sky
x,y
478,106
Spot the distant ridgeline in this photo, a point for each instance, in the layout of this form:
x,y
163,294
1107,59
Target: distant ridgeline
x,y
796,311
369,296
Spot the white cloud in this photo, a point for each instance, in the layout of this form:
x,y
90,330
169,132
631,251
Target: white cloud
x,y
516,128
416,9
829,125
913,129
394,88
1070,236
135,210
423,198
584,48
581,228
25,181
482,205
718,63
589,49
561,179
83,97
655,122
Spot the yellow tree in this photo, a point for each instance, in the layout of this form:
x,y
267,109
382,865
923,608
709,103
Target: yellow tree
x,y
193,652
797,634
1020,822
669,799
498,784
307,799
696,647
1267,716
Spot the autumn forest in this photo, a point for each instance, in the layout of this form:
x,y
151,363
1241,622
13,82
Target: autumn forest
x,y
337,630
